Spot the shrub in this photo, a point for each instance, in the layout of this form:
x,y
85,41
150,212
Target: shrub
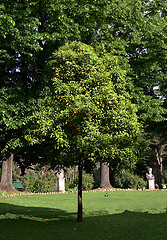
x,y
87,183
164,176
3,193
39,180
127,179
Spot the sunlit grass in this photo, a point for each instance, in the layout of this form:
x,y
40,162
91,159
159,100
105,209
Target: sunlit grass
x,y
121,215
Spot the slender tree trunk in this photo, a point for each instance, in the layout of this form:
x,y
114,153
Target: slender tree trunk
x,y
6,173
80,167
158,152
105,177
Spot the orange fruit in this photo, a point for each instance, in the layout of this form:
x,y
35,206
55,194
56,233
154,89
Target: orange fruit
x,y
74,59
109,102
80,52
57,74
96,67
113,118
116,101
72,100
62,96
86,131
107,130
89,70
82,73
106,83
65,77
77,129
75,111
97,103
84,118
55,100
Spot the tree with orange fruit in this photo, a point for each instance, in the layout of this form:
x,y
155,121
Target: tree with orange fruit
x,y
88,111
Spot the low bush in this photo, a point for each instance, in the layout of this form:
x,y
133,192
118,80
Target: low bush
x,y
87,183
39,180
127,179
3,193
164,177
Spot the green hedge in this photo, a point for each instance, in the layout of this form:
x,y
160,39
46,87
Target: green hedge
x,y
127,179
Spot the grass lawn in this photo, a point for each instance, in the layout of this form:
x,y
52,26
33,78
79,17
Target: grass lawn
x,y
122,215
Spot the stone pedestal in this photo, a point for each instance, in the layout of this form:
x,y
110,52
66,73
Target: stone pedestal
x,y
151,184
60,187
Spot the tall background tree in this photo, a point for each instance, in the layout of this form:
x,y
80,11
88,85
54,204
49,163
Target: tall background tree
x,y
27,37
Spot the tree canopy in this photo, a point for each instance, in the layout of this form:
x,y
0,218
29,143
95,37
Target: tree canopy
x,y
87,109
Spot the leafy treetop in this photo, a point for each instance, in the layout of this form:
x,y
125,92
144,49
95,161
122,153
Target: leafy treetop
x,y
88,109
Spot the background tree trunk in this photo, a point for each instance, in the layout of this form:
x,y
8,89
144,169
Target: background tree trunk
x,y
159,153
6,173
80,167
105,176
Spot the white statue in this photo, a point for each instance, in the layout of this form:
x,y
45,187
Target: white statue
x,y
60,187
151,179
149,175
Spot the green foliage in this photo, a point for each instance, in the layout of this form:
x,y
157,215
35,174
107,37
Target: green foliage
x,y
87,109
18,43
42,180
164,176
127,179
4,193
15,115
87,183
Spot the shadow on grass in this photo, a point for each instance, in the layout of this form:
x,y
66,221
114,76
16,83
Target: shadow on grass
x,y
36,223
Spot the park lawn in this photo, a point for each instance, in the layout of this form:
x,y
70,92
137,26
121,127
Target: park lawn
x,y
131,215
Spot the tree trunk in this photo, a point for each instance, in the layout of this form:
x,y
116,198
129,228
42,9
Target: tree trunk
x,y
158,152
105,177
80,167
6,173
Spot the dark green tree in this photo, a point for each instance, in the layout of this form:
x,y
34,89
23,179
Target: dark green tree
x,y
29,30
